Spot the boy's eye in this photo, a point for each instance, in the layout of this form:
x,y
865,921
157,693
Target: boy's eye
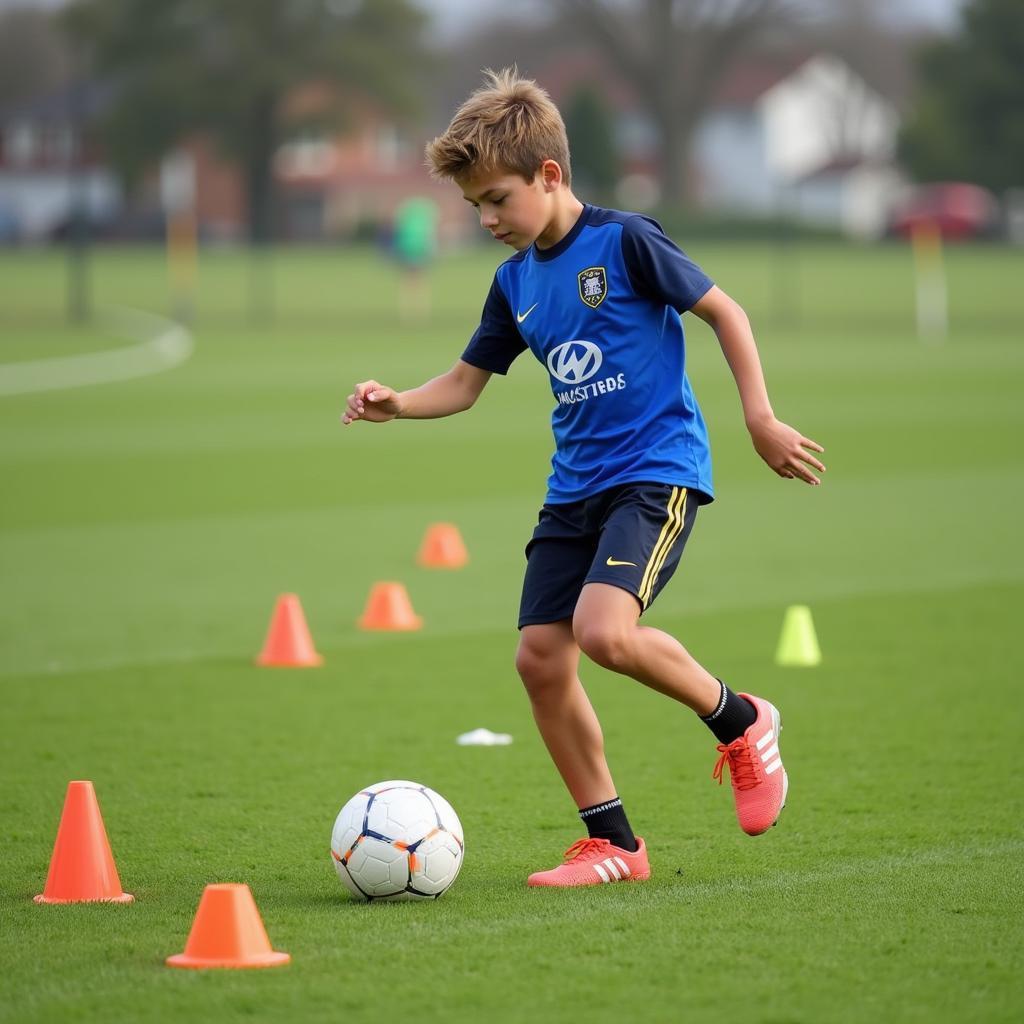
x,y
500,200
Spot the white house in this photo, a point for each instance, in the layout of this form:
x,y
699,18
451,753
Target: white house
x,y
810,139
47,167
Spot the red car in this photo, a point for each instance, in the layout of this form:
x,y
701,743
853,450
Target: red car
x,y
957,209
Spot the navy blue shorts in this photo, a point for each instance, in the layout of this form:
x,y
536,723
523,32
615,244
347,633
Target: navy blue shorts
x,y
629,536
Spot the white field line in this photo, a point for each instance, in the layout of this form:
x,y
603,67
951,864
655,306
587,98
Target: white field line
x,y
162,345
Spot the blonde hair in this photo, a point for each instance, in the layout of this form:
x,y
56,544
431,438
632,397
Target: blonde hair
x,y
509,123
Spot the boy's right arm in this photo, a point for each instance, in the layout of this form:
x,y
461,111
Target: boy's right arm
x,y
452,392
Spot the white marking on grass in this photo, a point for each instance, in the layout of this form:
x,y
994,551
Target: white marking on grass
x,y
163,344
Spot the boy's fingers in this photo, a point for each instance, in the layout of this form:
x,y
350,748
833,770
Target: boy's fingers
x,y
813,445
794,470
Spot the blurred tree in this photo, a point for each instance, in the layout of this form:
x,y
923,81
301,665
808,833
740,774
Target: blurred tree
x,y
968,123
595,160
34,58
864,35
675,53
225,68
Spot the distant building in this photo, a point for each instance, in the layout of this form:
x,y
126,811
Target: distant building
x,y
329,186
794,135
808,138
350,185
49,165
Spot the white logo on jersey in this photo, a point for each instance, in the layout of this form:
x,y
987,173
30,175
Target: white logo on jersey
x,y
573,362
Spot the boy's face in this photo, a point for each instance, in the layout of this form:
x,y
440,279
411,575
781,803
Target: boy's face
x,y
516,212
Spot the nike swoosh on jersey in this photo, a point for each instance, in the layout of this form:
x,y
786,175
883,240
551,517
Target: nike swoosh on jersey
x,y
612,561
520,317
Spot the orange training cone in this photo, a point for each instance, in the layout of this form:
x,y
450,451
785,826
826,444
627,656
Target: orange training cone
x,y
227,932
288,643
442,548
82,868
389,607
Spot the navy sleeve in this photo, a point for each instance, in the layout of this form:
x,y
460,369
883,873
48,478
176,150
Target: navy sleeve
x,y
497,341
658,268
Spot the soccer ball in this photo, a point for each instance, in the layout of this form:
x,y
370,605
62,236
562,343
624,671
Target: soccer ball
x,y
397,841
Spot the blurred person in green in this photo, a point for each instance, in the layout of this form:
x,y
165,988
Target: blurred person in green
x,y
414,244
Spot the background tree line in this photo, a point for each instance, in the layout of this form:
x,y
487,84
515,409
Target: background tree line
x,y
225,69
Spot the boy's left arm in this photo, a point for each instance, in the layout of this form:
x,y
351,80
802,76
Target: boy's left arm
x,y
786,450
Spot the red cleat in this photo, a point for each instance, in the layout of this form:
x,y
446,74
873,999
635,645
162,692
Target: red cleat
x,y
759,782
594,862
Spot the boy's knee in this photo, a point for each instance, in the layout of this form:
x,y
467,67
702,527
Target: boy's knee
x,y
529,663
606,643
541,668
534,666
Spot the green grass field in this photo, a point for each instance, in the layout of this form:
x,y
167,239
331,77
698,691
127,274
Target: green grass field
x,y
148,526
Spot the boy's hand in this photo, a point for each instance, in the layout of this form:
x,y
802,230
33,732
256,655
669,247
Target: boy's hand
x,y
373,402
786,450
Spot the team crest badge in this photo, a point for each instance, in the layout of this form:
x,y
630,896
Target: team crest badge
x,y
593,286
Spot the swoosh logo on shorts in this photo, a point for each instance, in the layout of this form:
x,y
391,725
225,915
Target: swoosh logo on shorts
x,y
613,561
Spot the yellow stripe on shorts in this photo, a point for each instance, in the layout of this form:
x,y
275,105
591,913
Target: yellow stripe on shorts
x,y
669,533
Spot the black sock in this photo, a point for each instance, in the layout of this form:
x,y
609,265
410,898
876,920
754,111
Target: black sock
x,y
608,821
731,718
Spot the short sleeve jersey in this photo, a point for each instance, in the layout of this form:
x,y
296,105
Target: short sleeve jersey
x,y
601,310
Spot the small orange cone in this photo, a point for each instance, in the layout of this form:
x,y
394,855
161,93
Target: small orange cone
x,y
288,643
442,548
82,868
389,607
227,932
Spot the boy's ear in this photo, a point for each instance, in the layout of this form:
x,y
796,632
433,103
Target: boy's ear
x,y
550,175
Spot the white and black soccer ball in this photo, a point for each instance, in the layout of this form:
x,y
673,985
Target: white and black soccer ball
x,y
397,841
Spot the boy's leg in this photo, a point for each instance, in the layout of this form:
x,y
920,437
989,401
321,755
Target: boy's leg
x,y
559,557
606,626
607,629
547,661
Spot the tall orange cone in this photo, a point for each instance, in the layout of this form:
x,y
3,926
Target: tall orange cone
x,y
82,868
288,643
227,932
442,548
389,607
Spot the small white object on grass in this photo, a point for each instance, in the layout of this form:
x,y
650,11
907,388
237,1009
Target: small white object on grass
x,y
483,738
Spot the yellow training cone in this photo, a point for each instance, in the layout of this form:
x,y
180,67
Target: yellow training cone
x,y
798,644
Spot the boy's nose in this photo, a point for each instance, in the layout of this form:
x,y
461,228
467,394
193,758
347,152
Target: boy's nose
x,y
488,220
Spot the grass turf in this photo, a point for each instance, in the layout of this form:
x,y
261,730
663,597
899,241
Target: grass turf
x,y
148,526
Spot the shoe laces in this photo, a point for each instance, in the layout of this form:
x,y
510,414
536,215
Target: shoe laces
x,y
583,847
742,769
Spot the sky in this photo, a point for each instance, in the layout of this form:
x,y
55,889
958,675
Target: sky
x,y
456,16
453,17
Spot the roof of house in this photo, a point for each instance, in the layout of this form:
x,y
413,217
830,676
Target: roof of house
x,y
85,100
751,78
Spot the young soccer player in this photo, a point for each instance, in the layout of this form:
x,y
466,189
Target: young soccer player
x,y
596,295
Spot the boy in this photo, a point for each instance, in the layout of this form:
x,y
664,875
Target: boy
x,y
596,295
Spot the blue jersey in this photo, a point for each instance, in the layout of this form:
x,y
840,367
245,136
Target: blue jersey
x,y
601,310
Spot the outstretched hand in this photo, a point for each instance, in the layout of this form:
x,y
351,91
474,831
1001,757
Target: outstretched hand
x,y
787,451
373,402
